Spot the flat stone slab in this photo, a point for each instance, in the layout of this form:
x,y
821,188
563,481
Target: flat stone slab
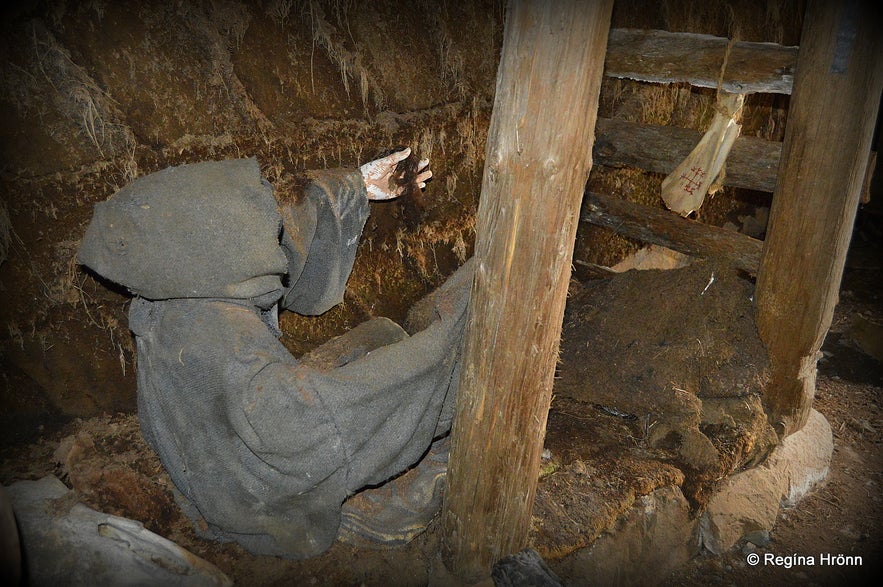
x,y
66,543
749,502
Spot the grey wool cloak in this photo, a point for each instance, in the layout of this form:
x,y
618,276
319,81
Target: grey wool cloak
x,y
264,449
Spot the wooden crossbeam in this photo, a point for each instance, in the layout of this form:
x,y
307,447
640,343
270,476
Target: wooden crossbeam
x,y
667,229
665,57
752,164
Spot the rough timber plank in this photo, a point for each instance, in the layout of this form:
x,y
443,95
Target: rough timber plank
x,y
753,163
667,229
664,57
828,139
538,160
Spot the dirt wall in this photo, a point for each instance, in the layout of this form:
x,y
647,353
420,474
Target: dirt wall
x,y
94,94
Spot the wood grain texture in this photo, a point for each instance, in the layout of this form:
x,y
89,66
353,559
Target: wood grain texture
x,y
536,168
824,159
752,164
667,229
665,57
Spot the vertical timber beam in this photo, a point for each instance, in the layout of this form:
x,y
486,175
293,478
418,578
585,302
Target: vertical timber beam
x,y
824,156
537,164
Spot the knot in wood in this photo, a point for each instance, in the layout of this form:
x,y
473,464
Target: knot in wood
x,y
550,167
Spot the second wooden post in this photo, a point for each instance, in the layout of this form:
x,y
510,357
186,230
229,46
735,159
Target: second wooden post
x,y
537,163
824,159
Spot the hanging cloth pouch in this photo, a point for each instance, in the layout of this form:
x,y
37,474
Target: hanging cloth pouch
x,y
699,174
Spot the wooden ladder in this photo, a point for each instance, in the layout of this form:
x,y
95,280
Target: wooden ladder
x,y
753,163
817,175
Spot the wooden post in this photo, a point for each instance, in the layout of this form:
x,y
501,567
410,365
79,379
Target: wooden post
x,y
535,172
827,140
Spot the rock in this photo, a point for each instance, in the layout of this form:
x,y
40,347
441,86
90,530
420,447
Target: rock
x,y
867,336
524,569
66,543
755,226
653,538
804,458
653,257
758,538
747,504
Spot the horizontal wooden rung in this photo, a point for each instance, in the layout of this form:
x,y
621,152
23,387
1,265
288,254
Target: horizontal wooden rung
x,y
667,229
665,57
752,164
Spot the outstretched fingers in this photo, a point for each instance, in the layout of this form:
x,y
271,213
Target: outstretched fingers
x,y
423,173
393,159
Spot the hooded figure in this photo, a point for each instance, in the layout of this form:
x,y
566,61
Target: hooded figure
x,y
262,449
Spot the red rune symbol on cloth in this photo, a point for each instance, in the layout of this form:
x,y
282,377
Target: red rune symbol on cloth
x,y
693,180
